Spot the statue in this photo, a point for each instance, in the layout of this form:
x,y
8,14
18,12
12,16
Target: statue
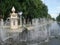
x,y
13,19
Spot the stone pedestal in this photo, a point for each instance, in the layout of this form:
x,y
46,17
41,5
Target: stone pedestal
x,y
14,24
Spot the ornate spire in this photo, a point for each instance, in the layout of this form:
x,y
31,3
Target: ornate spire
x,y
13,9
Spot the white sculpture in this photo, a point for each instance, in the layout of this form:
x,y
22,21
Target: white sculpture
x,y
14,19
13,9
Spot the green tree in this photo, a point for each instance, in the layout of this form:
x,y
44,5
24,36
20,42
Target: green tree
x,y
30,8
58,18
6,5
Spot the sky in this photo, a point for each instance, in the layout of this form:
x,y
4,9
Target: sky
x,y
53,7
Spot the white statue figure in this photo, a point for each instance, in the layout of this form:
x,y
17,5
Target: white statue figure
x,y
14,19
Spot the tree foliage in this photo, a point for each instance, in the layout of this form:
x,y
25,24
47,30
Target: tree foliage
x,y
30,8
58,18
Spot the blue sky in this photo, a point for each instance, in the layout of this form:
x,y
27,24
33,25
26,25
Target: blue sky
x,y
53,7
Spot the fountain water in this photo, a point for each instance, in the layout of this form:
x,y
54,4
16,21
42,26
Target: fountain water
x,y
11,29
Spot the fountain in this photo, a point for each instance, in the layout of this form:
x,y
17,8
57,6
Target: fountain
x,y
11,29
10,26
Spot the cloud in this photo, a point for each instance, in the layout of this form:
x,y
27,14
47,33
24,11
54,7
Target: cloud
x,y
54,15
43,1
58,8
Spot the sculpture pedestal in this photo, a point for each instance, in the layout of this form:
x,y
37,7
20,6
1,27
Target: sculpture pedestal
x,y
14,24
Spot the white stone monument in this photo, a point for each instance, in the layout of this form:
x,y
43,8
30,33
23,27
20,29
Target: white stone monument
x,y
14,19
